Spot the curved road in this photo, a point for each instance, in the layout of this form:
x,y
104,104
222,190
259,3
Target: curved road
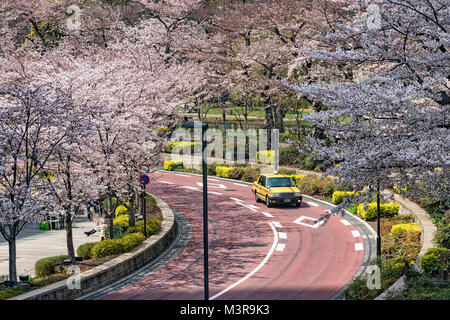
x,y
255,252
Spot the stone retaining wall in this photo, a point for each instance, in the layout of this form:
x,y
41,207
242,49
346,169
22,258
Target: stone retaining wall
x,y
115,269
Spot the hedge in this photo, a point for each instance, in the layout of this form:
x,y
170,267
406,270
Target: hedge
x,y
171,165
122,222
386,210
46,266
224,172
153,226
120,210
84,250
181,146
436,257
251,174
403,228
116,246
338,196
266,157
297,178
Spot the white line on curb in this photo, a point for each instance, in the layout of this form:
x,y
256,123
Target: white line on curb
x,y
240,184
266,258
312,204
166,182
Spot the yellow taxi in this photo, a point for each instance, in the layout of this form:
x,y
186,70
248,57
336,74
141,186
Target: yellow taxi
x,y
276,189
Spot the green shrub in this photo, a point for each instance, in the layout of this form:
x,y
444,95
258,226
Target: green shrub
x,y
46,266
107,247
315,185
435,257
265,157
297,178
11,292
442,237
403,228
121,210
251,174
386,210
289,156
153,226
121,222
237,173
338,196
131,240
286,171
171,165
84,250
181,146
224,172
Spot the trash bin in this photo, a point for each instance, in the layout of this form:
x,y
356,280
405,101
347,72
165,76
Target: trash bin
x,y
44,225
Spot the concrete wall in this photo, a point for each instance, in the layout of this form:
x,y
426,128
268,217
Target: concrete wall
x,y
115,269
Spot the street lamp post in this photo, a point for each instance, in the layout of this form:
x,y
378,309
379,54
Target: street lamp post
x,y
204,126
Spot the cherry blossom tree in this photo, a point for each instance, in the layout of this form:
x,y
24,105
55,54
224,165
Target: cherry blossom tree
x,y
34,122
389,120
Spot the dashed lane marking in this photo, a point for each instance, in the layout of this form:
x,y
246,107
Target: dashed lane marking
x,y
235,199
282,235
268,215
216,193
277,224
345,222
191,188
358,246
240,184
280,247
312,204
356,233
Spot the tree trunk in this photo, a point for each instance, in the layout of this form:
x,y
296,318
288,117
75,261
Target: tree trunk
x,y
69,237
110,216
131,212
268,123
12,258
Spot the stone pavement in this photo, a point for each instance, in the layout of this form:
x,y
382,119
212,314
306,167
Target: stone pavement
x,y
33,244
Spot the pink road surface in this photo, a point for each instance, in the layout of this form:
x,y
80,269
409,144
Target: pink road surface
x,y
251,256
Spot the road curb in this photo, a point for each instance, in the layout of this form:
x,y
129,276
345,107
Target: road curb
x,y
111,271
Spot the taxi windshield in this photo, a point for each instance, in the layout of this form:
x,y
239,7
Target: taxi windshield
x,y
280,182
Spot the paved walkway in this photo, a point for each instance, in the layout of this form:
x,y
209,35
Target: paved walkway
x,y
33,244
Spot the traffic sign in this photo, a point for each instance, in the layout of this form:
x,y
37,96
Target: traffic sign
x,y
144,168
144,180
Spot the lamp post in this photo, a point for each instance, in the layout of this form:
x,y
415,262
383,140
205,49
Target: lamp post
x,y
204,126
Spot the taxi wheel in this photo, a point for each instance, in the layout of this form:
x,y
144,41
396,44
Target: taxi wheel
x,y
267,202
257,199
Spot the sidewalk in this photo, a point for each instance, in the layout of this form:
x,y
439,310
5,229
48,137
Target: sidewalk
x,y
34,244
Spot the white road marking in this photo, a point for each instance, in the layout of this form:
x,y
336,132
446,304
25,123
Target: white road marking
x,y
213,185
312,204
266,258
216,193
277,224
240,184
183,175
314,226
268,215
345,222
166,182
191,188
246,205
356,233
253,206
359,247
282,235
213,179
236,199
280,247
